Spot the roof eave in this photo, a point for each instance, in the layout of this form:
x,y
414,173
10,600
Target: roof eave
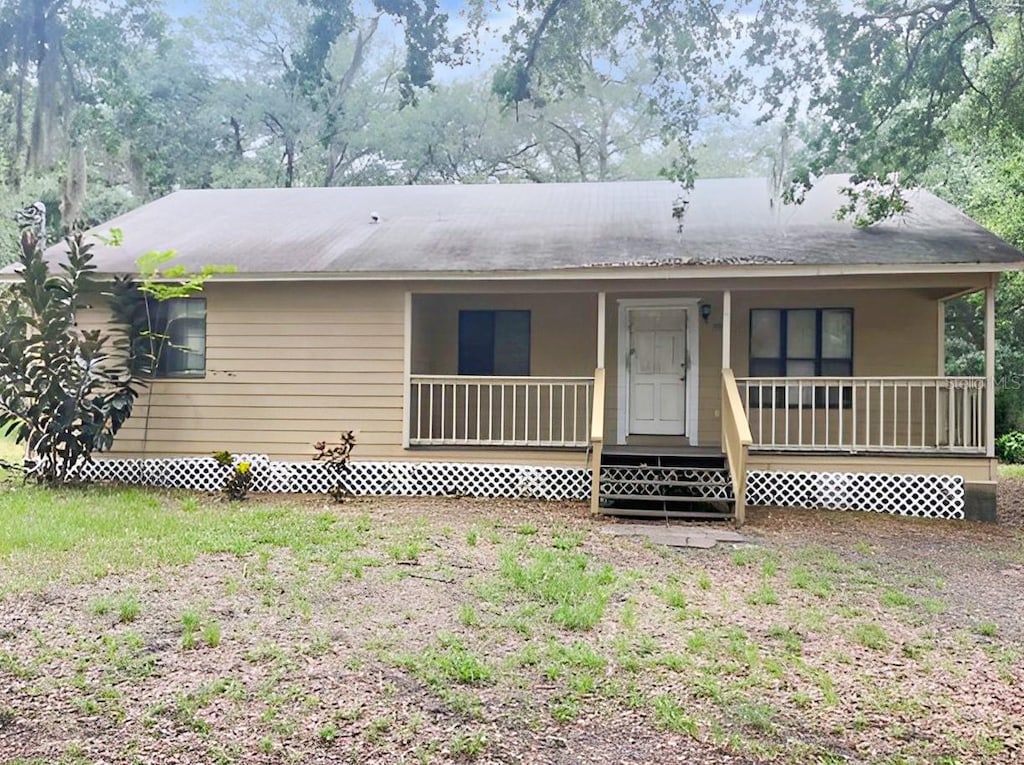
x,y
627,273
610,273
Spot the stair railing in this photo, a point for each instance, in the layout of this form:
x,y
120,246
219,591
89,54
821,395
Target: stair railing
x,y
596,440
736,440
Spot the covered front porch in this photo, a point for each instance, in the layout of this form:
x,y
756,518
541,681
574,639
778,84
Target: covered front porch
x,y
517,371
677,364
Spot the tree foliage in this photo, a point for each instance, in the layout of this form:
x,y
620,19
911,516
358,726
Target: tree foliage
x,y
107,105
65,391
888,85
558,48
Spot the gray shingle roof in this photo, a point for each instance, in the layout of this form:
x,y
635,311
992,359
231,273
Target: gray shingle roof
x,y
529,227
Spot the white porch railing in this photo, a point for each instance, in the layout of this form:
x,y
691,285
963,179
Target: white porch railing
x,y
860,414
736,441
464,410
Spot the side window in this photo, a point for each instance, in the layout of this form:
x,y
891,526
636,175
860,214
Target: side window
x,y
494,343
179,325
801,342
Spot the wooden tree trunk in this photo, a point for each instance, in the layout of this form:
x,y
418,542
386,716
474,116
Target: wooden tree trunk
x,y
42,150
72,204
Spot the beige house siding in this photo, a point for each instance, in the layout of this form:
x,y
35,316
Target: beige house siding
x,y
895,333
563,331
286,365
292,363
894,330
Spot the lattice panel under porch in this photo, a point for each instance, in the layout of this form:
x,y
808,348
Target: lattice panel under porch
x,y
650,481
921,496
361,478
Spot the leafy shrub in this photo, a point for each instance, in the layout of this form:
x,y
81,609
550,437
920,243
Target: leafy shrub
x,y
338,458
1009,410
64,390
236,487
1010,448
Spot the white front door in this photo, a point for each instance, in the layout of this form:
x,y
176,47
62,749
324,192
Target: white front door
x,y
657,367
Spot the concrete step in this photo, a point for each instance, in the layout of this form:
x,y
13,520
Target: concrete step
x,y
673,513
663,498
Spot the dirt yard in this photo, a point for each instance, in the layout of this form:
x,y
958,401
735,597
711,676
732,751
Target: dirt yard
x,y
437,631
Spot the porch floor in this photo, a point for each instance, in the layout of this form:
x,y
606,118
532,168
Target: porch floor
x,y
668,451
936,452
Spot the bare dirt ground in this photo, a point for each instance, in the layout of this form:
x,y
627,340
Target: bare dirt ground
x,y
484,631
1010,502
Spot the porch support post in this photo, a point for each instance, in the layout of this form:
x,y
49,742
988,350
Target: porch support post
x,y
990,367
727,329
940,327
601,327
406,369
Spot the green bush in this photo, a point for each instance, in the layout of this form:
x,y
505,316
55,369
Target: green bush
x,y
1009,410
1010,448
65,391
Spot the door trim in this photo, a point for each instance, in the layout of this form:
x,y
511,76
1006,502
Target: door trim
x,y
690,305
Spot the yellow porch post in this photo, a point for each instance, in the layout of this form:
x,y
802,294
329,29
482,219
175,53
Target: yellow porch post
x,y
597,415
990,367
727,329
406,369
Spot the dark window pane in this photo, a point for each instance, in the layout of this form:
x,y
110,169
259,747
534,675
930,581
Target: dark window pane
x,y
801,334
811,343
494,343
765,333
836,333
800,368
185,347
476,342
179,336
836,368
766,368
512,342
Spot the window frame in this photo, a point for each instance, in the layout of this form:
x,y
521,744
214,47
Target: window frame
x,y
488,369
162,319
831,397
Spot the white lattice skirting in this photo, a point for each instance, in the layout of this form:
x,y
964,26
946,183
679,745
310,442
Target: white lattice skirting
x,y
921,496
435,479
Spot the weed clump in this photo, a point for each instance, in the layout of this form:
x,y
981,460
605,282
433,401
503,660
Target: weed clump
x,y
236,486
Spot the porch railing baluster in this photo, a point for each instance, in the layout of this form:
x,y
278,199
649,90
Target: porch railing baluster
x,y
507,411
885,414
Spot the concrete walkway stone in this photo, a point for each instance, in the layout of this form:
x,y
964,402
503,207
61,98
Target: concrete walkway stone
x,y
676,535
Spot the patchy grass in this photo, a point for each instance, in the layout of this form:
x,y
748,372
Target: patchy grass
x,y
987,629
870,636
10,451
669,715
571,587
163,626
1010,471
77,534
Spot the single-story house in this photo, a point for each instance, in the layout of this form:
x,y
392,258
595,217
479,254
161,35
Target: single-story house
x,y
571,340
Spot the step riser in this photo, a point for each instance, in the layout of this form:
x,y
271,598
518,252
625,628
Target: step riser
x,y
681,514
672,486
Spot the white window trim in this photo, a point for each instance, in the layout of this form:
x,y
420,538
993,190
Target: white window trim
x,y
188,374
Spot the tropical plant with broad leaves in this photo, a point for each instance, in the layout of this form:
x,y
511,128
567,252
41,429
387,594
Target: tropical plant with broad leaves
x,y
65,391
